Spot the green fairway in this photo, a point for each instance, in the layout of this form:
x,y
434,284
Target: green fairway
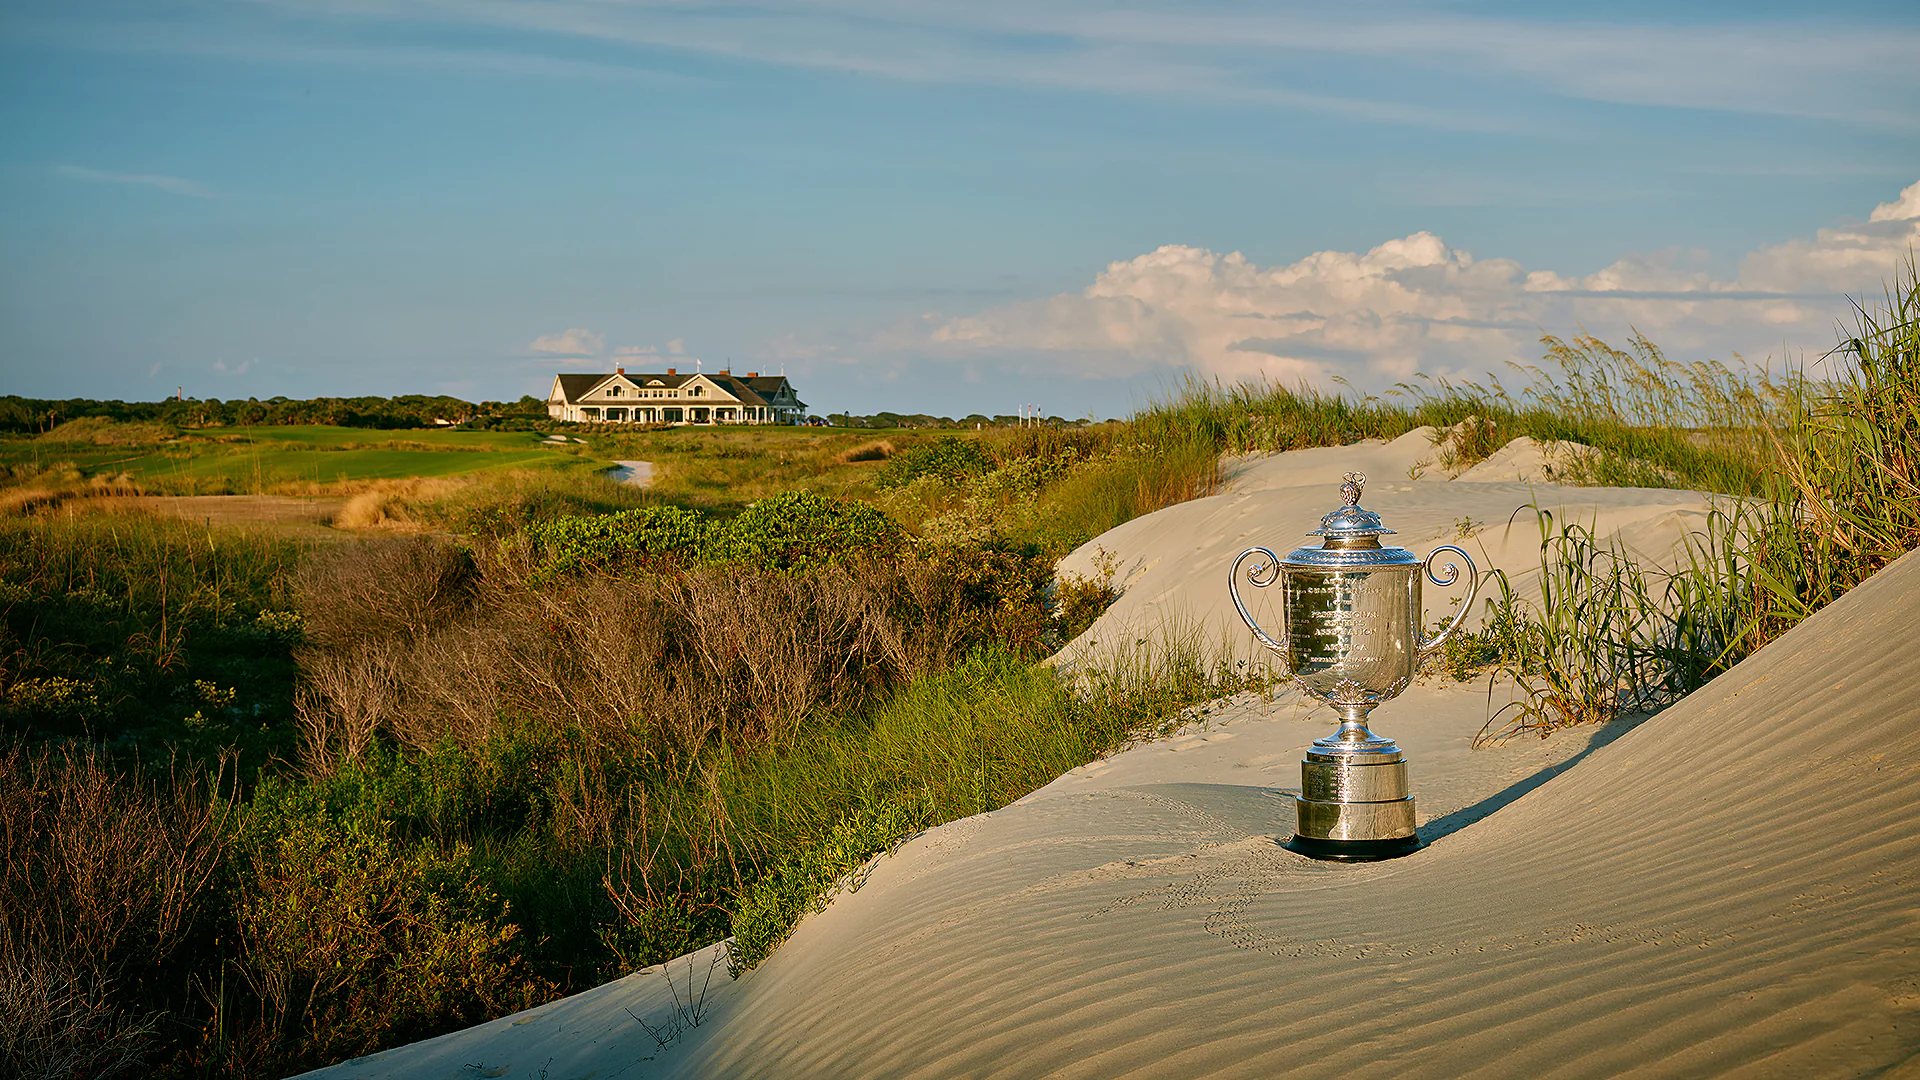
x,y
321,436
266,459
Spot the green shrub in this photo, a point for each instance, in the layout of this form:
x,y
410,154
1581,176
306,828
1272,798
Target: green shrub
x,y
352,939
1078,601
806,880
652,535
797,529
947,457
790,531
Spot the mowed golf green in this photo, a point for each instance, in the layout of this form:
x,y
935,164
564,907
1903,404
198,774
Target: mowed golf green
x,y
264,458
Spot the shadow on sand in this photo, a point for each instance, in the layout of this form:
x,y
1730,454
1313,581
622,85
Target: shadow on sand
x,y
1448,824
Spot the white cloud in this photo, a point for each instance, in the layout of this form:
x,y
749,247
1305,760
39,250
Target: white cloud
x,y
576,342
1851,258
1418,304
172,184
677,346
1904,208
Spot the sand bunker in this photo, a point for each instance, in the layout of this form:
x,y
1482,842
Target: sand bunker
x,y
636,473
1728,888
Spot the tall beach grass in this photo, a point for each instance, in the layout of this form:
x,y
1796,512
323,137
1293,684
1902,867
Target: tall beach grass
x,y
1838,498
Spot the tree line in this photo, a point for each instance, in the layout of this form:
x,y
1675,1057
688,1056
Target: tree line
x,y
35,415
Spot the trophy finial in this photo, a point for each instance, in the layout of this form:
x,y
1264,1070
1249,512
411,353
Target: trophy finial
x,y
1350,490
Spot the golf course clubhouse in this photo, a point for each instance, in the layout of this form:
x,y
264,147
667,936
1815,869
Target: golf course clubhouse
x,y
674,398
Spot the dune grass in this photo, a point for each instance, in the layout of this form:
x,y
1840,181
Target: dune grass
x,y
1655,422
1838,498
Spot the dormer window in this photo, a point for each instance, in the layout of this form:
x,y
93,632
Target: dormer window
x,y
613,391
696,391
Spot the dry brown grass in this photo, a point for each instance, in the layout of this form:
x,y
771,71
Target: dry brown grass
x,y
877,450
37,493
346,695
101,879
383,590
33,500
410,640
382,504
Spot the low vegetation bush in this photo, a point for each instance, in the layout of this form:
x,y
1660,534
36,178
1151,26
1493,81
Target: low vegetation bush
x,y
789,531
142,631
948,457
351,938
107,882
104,431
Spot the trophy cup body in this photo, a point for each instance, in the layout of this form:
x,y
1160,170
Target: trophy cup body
x,y
1350,634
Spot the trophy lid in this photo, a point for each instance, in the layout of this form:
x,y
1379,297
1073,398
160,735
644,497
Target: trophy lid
x,y
1352,536
1352,520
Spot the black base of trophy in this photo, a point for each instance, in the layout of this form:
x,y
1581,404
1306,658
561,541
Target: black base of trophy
x,y
1354,850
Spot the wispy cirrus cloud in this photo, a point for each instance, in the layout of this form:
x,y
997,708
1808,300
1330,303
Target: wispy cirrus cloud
x,y
1300,56
171,184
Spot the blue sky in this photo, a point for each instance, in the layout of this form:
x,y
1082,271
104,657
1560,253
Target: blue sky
x,y
926,206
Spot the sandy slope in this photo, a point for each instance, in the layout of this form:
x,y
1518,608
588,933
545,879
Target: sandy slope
x,y
1727,889
1730,888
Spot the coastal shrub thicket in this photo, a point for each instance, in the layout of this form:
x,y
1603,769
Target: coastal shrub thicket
x,y
468,779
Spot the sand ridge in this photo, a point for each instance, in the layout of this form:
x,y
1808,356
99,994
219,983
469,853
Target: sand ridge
x,y
1172,564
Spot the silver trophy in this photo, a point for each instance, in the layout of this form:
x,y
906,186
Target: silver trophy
x,y
1350,633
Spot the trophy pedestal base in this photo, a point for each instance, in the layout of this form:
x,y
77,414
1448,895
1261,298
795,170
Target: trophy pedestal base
x,y
1353,850
1354,806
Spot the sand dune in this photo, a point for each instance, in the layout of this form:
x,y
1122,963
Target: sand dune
x,y
1728,888
1172,564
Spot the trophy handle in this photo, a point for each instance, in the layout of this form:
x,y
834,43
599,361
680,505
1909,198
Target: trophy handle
x,y
1428,646
1261,575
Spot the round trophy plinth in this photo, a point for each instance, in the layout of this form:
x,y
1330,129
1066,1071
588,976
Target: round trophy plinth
x,y
1353,804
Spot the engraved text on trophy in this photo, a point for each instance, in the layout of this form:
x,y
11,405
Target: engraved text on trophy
x,y
1350,633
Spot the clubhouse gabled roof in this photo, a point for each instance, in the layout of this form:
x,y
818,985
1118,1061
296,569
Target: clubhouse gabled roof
x,y
750,390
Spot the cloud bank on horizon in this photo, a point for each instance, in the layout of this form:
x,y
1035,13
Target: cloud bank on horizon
x,y
1416,304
